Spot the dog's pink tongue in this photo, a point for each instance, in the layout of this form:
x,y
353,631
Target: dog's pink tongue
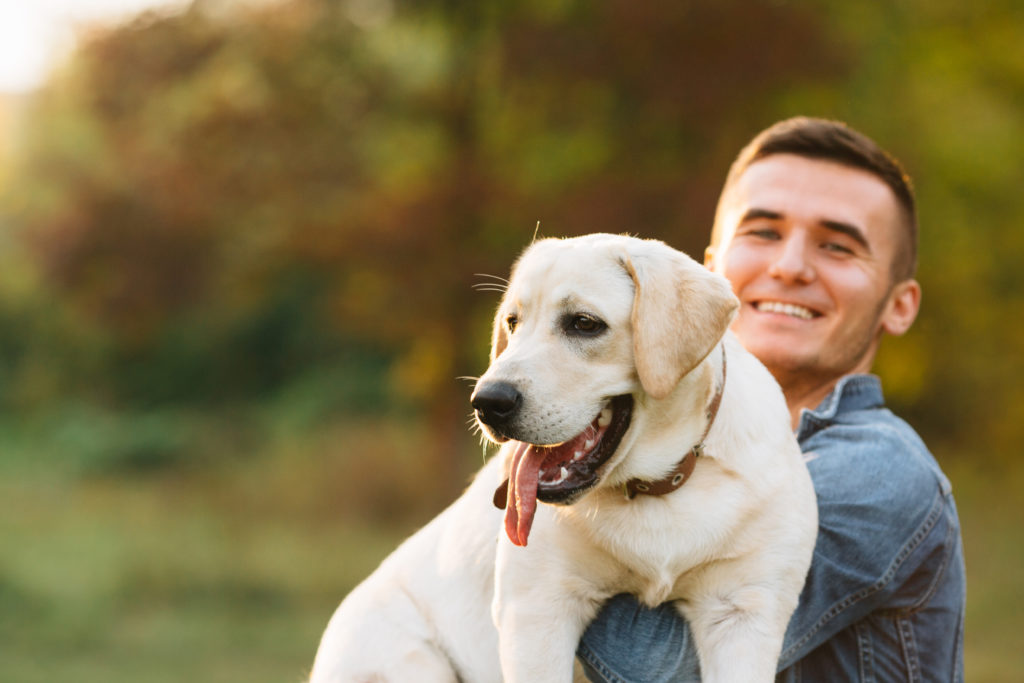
x,y
522,493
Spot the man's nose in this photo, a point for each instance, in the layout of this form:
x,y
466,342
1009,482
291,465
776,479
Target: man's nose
x,y
792,262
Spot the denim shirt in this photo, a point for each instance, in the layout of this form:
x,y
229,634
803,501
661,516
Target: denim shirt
x,y
884,598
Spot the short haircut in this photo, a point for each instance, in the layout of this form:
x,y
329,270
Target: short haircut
x,y
834,141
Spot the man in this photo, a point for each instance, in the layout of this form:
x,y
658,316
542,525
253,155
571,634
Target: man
x,y
816,231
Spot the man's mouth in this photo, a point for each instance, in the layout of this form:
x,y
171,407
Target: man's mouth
x,y
563,472
792,310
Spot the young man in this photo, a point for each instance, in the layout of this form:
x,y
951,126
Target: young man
x,y
816,231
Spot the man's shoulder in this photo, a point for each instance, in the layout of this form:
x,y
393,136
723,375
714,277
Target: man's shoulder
x,y
856,445
883,453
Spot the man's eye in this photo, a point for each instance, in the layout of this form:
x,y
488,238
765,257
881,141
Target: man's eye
x,y
583,324
511,323
837,248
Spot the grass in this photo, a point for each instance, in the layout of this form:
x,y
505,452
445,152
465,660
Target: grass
x,y
228,570
125,581
221,573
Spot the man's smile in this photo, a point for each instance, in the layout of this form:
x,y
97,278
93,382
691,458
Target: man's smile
x,y
784,308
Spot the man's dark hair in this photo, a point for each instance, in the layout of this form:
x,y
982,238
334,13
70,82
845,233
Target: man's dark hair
x,y
834,141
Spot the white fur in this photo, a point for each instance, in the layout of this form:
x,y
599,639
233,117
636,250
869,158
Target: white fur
x,y
458,601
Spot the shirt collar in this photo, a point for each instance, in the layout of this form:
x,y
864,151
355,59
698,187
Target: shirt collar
x,y
851,393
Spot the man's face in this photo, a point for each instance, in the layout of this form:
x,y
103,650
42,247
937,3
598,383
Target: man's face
x,y
807,246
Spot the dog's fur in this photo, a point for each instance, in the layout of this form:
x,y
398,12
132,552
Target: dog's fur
x,y
459,601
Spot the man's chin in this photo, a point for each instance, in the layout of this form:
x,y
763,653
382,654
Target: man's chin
x,y
784,357
783,347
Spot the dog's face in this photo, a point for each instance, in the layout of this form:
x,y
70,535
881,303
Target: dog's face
x,y
562,341
585,326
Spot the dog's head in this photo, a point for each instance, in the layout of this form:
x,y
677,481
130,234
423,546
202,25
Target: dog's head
x,y
586,325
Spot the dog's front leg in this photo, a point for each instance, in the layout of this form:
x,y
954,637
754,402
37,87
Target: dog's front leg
x,y
738,635
540,611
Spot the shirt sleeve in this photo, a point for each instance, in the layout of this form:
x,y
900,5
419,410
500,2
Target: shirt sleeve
x,y
880,504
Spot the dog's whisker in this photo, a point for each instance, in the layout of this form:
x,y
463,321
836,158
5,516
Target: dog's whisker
x,y
496,284
493,277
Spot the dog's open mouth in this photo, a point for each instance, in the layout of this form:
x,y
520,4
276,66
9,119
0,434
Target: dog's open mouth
x,y
559,474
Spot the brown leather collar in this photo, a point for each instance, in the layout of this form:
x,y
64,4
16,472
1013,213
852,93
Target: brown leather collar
x,y
684,468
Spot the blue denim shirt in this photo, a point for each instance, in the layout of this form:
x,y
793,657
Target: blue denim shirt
x,y
884,599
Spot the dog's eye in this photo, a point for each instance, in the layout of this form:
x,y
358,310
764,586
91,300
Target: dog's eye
x,y
511,323
585,325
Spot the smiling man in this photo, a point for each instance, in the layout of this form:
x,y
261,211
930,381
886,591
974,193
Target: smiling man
x,y
816,229
818,253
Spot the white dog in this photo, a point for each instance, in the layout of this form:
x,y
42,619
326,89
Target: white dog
x,y
665,453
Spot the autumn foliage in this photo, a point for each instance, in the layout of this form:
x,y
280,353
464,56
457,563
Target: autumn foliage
x,y
215,205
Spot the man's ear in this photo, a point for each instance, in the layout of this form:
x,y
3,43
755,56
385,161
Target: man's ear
x,y
902,307
680,312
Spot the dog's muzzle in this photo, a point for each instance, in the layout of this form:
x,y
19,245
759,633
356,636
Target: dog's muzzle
x,y
560,473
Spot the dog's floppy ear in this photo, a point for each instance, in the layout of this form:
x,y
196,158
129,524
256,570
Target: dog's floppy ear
x,y
680,312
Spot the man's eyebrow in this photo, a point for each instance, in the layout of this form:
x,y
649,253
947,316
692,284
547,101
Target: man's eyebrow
x,y
755,213
851,231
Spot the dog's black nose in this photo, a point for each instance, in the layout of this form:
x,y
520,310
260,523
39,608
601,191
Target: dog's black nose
x,y
496,402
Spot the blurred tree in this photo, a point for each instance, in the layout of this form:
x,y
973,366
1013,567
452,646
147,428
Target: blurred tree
x,y
227,201
315,172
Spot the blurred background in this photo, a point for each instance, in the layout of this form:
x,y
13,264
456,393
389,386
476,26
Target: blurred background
x,y
238,244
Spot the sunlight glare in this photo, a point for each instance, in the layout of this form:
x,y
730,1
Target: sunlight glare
x,y
36,34
26,45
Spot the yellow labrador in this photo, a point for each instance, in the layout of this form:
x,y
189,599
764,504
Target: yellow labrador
x,y
663,453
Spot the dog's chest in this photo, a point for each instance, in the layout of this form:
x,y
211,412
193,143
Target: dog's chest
x,y
659,551
654,591
654,583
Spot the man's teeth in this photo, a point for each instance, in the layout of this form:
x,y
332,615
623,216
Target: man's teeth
x,y
786,309
604,419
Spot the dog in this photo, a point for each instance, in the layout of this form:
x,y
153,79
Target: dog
x,y
663,456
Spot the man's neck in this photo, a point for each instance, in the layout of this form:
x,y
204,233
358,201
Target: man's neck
x,y
805,397
805,389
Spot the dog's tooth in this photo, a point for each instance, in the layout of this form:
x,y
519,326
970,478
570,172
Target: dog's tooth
x,y
605,418
588,444
577,455
563,475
